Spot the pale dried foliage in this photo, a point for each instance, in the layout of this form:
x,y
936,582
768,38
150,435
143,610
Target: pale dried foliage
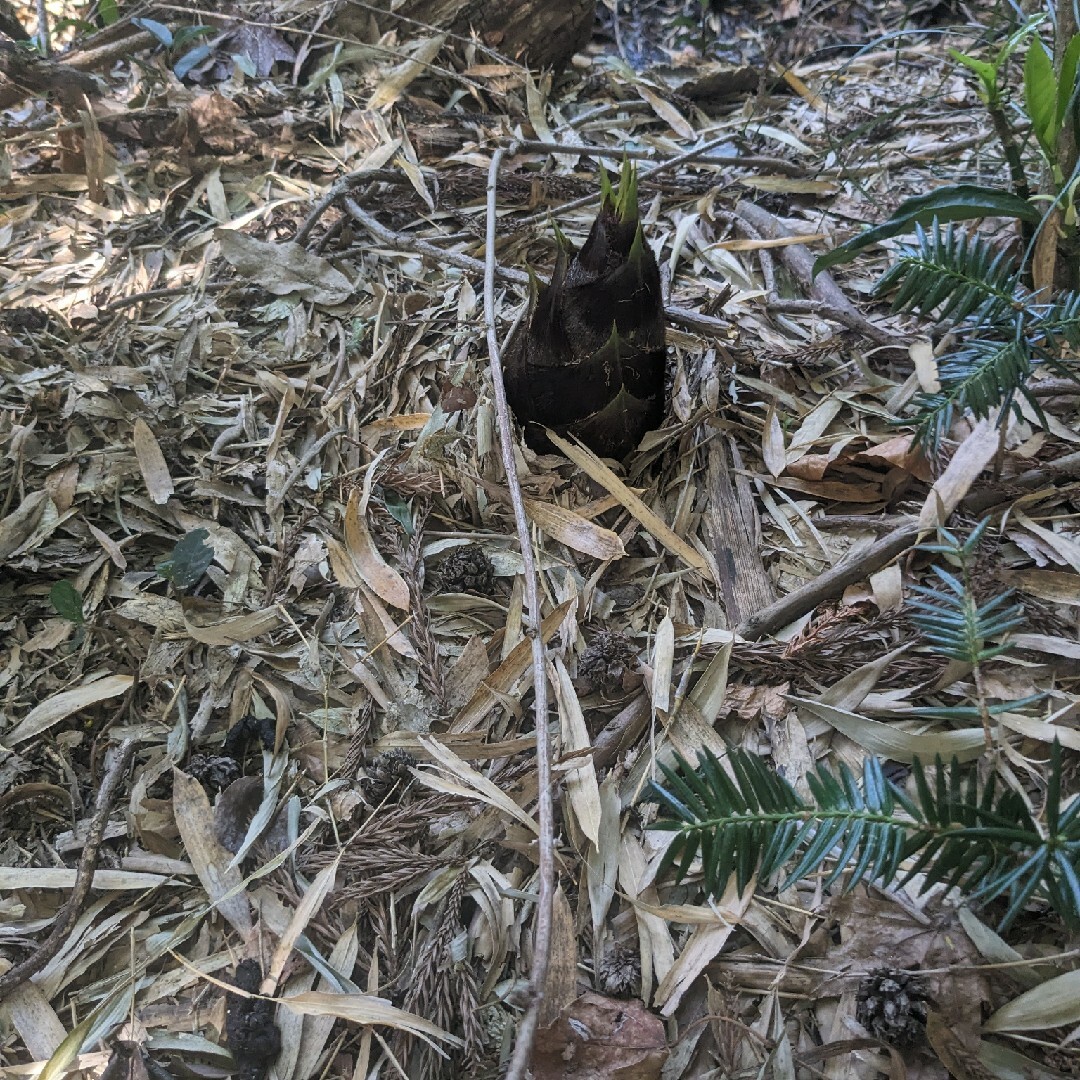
x,y
299,402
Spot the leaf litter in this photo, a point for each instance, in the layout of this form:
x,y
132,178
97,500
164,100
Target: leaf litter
x,y
251,483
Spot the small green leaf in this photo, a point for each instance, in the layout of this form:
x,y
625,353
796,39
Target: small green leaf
x,y
68,602
189,560
954,202
984,72
400,510
158,29
187,34
1041,97
1067,79
108,11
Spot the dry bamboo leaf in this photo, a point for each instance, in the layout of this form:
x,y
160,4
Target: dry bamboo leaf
x,y
561,986
370,434
773,183
773,451
973,455
160,612
314,896
994,950
581,785
317,1029
848,692
887,588
466,674
291,1024
152,463
1034,728
922,356
399,78
1065,546
55,877
502,679
813,426
284,268
195,820
594,468
1005,1063
1052,1004
685,914
534,106
372,569
1044,258
663,662
28,1010
231,630
363,1058
602,860
1057,586
654,935
374,615
704,943
62,705
366,1009
415,176
890,741
1048,644
19,526
472,784
710,690
345,573
575,531
689,731
667,112
109,546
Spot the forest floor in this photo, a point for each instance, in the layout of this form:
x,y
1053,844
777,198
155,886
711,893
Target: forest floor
x,y
264,634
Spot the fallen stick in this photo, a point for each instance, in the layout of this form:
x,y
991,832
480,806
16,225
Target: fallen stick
x,y
830,584
84,877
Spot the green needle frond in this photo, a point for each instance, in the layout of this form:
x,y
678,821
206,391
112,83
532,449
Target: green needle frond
x,y
1005,332
953,623
736,818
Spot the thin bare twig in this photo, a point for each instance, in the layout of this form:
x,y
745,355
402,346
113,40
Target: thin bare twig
x,y
526,1032
823,288
747,161
84,877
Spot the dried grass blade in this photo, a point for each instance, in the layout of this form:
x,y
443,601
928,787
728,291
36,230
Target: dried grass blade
x,y
502,679
367,1009
596,470
62,705
195,820
472,784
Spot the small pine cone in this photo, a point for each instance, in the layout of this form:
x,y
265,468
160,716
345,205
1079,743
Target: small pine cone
x,y
465,569
387,772
619,973
607,660
214,771
891,1005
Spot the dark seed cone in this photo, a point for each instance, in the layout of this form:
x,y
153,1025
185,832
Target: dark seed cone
x,y
590,362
